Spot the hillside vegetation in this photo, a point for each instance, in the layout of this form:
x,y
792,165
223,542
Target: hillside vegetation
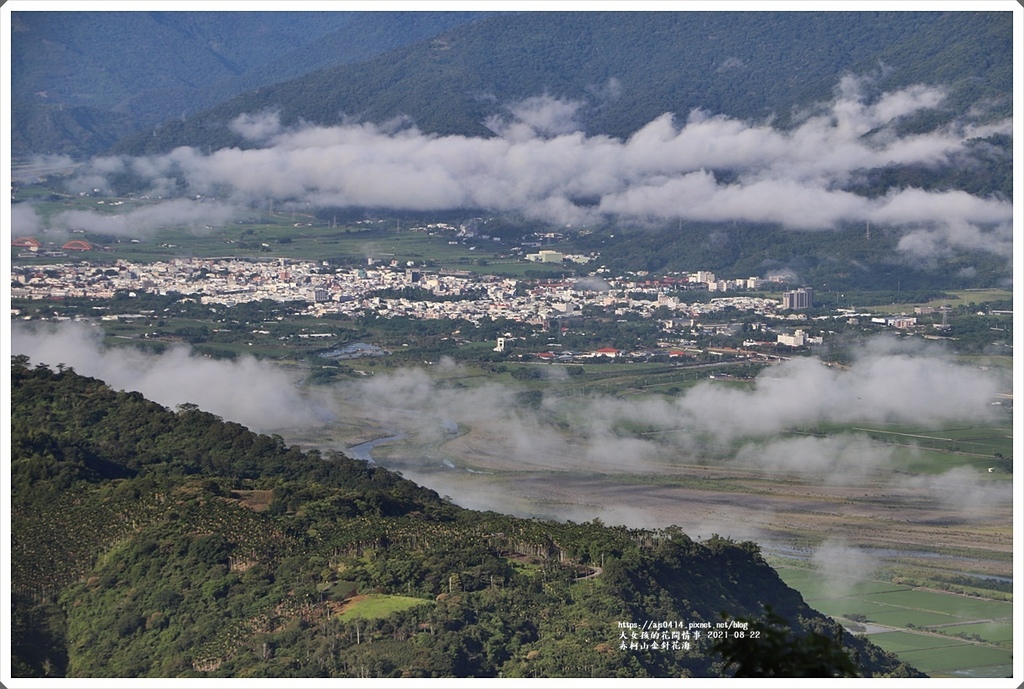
x,y
151,542
82,80
628,68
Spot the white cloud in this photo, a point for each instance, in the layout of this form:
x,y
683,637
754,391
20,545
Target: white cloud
x,y
146,219
842,566
708,424
711,168
539,115
257,127
24,220
254,393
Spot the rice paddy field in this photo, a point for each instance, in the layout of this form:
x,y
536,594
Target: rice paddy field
x,y
941,634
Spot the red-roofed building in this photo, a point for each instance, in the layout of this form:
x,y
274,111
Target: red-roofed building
x,y
77,245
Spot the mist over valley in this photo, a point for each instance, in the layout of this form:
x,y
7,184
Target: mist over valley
x,y
431,344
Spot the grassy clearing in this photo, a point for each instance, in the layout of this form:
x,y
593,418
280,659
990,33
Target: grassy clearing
x,y
376,605
980,439
942,657
903,605
902,617
340,590
852,607
993,360
980,296
296,235
921,450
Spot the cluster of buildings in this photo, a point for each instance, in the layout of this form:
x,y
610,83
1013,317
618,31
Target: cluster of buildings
x,y
381,289
552,256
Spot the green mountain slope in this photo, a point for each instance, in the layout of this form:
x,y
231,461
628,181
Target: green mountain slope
x,y
131,70
149,542
629,68
845,259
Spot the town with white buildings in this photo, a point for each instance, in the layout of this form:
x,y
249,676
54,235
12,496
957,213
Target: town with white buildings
x,y
353,290
384,288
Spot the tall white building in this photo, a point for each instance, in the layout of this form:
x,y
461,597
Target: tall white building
x,y
802,298
797,339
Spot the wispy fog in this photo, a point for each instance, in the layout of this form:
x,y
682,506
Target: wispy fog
x,y
254,393
580,458
693,166
144,220
842,566
710,422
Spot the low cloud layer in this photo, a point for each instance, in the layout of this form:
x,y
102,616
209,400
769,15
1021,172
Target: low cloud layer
x,y
540,163
833,460
890,381
493,428
254,393
144,220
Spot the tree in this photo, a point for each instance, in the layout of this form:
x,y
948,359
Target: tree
x,y
769,648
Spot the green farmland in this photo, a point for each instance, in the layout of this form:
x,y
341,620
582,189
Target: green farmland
x,y
293,235
933,451
943,658
980,441
955,298
942,634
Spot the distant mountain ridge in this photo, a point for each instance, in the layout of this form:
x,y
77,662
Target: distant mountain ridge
x,y
80,80
627,68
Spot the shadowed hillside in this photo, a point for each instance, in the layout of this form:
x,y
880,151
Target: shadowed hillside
x,y
628,68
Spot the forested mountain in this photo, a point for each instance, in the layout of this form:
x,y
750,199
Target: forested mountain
x,y
848,258
81,80
151,542
630,67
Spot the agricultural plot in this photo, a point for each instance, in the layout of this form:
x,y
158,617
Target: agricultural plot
x,y
952,634
960,606
292,235
955,298
933,451
972,440
1000,633
812,585
960,658
903,617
